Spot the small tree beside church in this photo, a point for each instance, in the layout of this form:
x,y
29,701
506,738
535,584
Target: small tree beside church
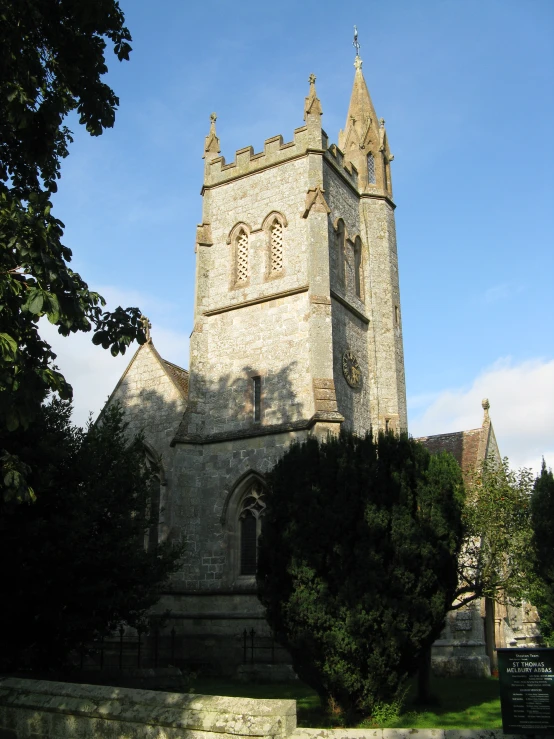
x,y
357,562
74,561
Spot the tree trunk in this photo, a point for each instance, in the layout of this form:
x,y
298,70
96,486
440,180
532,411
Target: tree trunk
x,y
424,678
490,640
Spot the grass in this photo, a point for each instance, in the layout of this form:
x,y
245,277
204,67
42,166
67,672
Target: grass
x,y
459,703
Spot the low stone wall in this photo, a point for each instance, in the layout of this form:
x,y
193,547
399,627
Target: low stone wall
x,y
404,734
40,709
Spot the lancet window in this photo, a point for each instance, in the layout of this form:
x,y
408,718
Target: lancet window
x,y
252,509
358,266
371,169
276,247
341,246
241,256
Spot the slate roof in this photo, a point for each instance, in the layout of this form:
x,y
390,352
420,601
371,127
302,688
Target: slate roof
x,y
179,376
465,446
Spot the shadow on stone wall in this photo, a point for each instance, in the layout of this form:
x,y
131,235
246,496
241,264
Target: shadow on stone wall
x,y
227,405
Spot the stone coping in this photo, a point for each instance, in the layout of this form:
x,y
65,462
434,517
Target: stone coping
x,y
403,734
187,713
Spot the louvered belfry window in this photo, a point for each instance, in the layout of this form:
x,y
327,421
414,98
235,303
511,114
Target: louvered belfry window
x,y
252,510
371,169
276,235
242,256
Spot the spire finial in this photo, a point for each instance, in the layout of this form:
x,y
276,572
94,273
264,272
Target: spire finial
x,y
485,406
211,145
356,43
146,326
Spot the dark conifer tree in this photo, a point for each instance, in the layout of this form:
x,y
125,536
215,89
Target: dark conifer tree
x,y
357,565
542,517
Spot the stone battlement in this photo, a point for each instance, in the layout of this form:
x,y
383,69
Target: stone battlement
x,y
336,157
275,152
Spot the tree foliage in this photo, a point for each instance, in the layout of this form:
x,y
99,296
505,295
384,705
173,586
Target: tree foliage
x,y
52,59
542,516
357,561
495,556
81,566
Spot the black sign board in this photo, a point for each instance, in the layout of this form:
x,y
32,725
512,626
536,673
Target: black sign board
x,y
526,690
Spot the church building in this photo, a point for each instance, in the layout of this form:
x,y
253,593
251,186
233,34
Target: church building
x,y
297,331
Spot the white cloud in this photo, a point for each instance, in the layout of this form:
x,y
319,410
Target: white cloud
x,y
502,292
92,371
522,409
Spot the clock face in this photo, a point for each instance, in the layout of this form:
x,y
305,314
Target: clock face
x,y
351,369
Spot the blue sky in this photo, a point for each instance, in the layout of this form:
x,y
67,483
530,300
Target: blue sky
x,y
466,88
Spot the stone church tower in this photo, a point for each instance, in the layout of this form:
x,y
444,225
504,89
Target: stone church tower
x,y
297,330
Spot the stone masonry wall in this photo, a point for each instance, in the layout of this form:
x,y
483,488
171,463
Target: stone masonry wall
x,y
250,200
388,385
269,340
41,709
153,404
354,403
208,476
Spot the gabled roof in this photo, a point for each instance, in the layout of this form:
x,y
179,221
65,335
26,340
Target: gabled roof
x,y
178,376
469,448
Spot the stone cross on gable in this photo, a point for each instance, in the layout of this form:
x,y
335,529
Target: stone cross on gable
x,y
146,326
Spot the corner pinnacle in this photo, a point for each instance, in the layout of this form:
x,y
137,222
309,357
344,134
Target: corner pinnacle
x,y
211,145
312,105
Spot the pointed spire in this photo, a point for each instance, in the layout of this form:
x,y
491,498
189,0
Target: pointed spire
x,y
211,145
361,118
363,140
312,105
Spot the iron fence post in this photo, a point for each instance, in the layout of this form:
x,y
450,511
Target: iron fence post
x,y
139,632
121,631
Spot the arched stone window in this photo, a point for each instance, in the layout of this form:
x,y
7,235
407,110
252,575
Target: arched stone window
x,y
341,247
241,256
250,523
239,238
274,226
371,169
276,247
153,534
242,518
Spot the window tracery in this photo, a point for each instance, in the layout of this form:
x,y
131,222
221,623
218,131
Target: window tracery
x,y
276,247
252,509
241,256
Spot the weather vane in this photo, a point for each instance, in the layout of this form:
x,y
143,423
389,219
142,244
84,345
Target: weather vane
x,y
356,43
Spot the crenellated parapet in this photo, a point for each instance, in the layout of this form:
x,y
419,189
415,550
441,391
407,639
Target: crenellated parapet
x,y
246,162
344,167
276,152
